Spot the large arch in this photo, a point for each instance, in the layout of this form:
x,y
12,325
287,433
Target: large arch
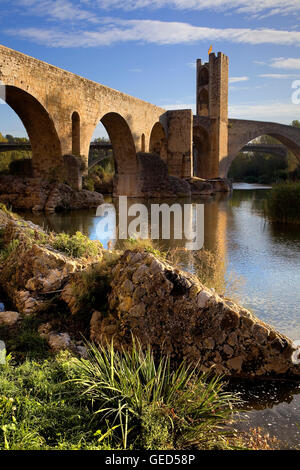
x,y
201,152
158,141
242,131
126,178
44,140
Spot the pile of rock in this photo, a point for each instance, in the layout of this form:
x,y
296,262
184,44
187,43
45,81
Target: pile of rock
x,y
177,315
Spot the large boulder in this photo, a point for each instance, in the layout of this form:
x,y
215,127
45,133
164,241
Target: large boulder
x,y
36,194
174,313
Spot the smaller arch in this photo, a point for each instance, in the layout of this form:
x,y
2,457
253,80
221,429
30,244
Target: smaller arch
x,y
158,141
203,103
143,143
75,134
203,79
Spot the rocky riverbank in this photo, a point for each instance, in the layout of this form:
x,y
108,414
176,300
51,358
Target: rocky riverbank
x,y
136,293
35,194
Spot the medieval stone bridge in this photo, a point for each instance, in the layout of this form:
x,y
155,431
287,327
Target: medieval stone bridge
x,y
60,112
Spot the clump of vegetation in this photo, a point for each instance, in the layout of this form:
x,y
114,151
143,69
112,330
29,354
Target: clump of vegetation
x,y
39,409
115,401
283,203
148,405
140,244
77,246
24,341
92,286
6,251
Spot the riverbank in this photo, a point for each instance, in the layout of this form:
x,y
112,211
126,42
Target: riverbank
x,y
65,320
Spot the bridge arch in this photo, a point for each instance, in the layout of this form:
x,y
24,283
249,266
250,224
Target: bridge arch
x,y
158,141
44,140
241,132
124,152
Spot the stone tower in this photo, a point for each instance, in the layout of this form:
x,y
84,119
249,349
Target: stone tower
x,y
212,103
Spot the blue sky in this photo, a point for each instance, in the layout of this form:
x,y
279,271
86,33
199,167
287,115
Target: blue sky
x,y
148,48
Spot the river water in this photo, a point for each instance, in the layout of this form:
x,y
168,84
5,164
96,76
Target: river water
x,y
257,262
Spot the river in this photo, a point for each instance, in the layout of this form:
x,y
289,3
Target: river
x,y
259,264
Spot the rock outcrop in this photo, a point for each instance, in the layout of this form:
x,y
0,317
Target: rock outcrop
x,y
35,194
177,315
32,270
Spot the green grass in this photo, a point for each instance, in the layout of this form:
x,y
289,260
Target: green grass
x,y
39,409
283,203
111,401
77,246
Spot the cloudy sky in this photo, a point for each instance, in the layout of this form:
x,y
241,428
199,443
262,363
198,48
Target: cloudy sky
x,y
149,48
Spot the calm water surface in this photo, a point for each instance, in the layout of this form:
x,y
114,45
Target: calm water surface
x,y
263,260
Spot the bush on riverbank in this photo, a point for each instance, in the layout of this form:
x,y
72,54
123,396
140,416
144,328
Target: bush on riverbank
x,y
111,400
283,203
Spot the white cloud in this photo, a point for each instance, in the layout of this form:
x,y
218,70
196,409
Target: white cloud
x,y
285,63
279,76
153,32
238,79
62,10
253,7
283,112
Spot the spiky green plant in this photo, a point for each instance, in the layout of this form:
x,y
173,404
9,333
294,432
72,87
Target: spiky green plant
x,y
138,395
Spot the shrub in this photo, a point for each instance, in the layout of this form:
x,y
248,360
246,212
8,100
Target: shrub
x,y
283,203
77,245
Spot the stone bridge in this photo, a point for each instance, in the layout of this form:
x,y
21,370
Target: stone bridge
x,y
60,111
